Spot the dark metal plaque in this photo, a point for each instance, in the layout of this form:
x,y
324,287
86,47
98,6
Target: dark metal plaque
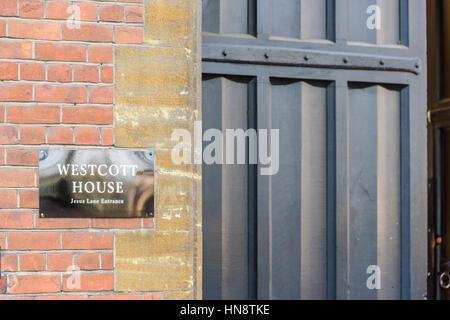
x,y
96,183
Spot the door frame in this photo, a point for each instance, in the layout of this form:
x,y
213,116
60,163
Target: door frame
x,y
438,118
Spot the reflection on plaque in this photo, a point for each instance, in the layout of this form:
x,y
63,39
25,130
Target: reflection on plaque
x,y
96,183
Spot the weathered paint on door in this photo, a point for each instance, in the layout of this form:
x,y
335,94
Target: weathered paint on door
x,y
350,104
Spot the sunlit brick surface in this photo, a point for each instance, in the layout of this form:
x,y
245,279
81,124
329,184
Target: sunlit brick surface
x,y
57,89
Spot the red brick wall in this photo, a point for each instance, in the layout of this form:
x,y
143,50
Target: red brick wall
x,y
57,88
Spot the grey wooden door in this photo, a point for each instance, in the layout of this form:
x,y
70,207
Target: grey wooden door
x,y
350,103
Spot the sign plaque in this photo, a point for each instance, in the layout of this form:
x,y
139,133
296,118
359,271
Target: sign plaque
x,y
96,183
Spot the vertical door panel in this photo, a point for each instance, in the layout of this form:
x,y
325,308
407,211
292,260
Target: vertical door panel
x,y
225,218
298,213
299,19
389,192
212,195
314,192
211,16
234,197
286,191
363,188
289,12
362,21
228,16
374,219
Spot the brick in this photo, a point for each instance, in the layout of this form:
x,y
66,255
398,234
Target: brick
x,y
8,199
16,92
9,262
2,156
32,135
87,261
32,262
59,72
34,30
157,296
130,35
107,261
149,223
2,28
8,8
33,114
86,136
117,297
88,115
101,94
32,71
22,157
101,54
2,114
9,135
61,52
131,1
58,10
88,11
3,286
89,33
29,199
107,136
86,74
59,135
134,14
9,71
17,178
107,74
64,297
59,261
34,241
60,94
62,223
92,282
113,13
42,283
153,296
31,9
3,241
116,223
16,50
16,220
87,240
